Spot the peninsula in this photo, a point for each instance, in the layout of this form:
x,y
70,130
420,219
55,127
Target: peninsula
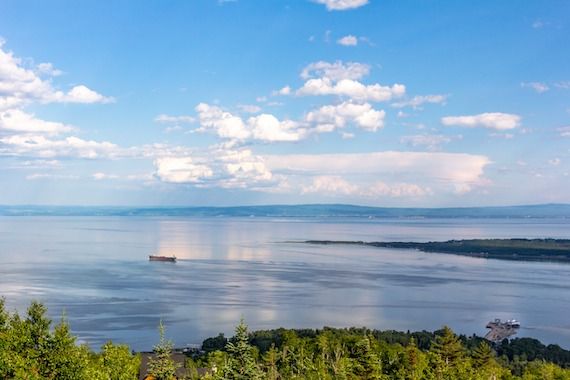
x,y
505,249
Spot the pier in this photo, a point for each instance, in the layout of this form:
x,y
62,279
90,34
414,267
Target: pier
x,y
501,330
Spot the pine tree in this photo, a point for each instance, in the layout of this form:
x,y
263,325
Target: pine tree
x,y
241,363
270,360
448,346
367,363
483,355
161,365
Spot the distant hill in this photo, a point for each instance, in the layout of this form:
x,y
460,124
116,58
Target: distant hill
x,y
314,210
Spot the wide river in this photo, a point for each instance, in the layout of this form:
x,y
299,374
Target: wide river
x,y
96,271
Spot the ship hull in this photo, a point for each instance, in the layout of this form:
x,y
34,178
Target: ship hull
x,y
169,259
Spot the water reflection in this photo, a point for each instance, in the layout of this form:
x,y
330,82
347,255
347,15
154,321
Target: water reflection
x,y
97,269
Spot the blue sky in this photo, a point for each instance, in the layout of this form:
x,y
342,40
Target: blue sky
x,y
388,103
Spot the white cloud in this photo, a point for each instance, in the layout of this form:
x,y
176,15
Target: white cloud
x,y
492,120
330,184
341,79
48,69
223,123
430,142
181,170
455,172
335,71
329,118
99,176
41,146
347,135
18,121
539,87
241,169
79,94
341,5
225,168
396,190
266,127
335,185
348,40
20,85
284,91
418,100
352,89
359,175
169,119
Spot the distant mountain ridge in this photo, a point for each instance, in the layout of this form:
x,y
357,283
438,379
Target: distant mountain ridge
x,y
308,210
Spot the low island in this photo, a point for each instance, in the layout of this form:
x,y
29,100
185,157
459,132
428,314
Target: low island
x,y
506,249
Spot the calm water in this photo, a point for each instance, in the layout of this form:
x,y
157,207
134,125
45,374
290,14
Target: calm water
x,y
96,270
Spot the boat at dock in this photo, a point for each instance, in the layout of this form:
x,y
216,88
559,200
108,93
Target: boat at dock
x,y
170,259
501,330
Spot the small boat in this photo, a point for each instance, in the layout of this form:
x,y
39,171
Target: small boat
x,y
170,259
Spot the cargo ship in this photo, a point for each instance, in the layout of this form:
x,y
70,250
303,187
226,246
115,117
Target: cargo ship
x,y
170,259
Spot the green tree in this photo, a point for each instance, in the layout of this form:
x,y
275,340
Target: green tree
x,y
366,363
161,366
118,363
241,364
271,361
483,355
448,346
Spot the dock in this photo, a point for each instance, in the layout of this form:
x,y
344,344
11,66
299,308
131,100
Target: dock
x,y
501,330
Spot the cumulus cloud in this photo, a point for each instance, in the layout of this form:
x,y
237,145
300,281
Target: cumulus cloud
x,y
241,168
429,142
266,127
225,168
539,87
341,79
18,121
491,120
342,5
223,123
331,117
21,85
419,100
352,89
79,94
181,170
348,40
